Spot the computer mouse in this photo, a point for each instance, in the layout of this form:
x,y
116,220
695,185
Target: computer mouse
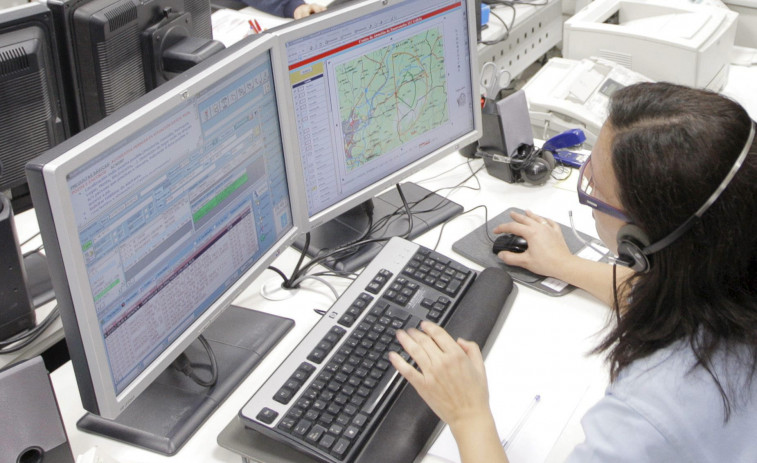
x,y
509,242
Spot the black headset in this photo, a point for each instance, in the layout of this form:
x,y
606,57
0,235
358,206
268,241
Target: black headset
x,y
531,164
634,246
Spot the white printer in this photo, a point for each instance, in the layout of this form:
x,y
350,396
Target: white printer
x,y
574,94
676,42
746,34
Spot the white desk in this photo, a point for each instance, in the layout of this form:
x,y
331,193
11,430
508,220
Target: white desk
x,y
539,348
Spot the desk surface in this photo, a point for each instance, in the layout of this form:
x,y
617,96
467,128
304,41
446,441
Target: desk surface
x,y
540,349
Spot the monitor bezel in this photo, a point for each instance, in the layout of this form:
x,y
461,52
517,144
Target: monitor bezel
x,y
326,20
128,121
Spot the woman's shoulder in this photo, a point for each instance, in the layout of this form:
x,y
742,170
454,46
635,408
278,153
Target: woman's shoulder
x,y
682,401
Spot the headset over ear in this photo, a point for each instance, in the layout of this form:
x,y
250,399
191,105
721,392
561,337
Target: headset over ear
x,y
632,241
634,246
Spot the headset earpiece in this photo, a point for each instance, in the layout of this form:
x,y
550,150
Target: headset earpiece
x,y
540,168
550,158
632,241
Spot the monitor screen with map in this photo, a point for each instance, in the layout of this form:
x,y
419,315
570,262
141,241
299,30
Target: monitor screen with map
x,y
378,90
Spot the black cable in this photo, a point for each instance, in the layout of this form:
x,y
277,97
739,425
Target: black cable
x,y
486,221
345,254
337,274
320,259
183,365
281,274
25,338
442,202
384,220
288,282
407,210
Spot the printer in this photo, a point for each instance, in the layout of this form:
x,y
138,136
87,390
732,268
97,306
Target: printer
x,y
568,94
689,44
746,33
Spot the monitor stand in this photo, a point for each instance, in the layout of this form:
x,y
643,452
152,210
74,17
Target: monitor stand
x,y
350,226
173,407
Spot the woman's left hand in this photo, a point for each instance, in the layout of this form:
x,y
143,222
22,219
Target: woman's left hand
x,y
452,378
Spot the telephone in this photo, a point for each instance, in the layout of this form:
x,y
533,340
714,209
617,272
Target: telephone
x,y
567,94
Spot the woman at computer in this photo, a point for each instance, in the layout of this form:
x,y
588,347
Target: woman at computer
x,y
296,9
672,181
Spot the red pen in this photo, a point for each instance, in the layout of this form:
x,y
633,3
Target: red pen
x,y
253,27
259,27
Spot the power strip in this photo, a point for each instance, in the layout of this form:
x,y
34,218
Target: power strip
x,y
536,30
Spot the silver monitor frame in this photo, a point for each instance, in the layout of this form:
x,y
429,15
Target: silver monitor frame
x,y
326,20
57,164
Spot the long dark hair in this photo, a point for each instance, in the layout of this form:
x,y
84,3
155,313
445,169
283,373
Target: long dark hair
x,y
672,147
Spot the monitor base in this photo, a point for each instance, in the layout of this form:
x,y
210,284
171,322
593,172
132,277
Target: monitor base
x,y
350,226
173,407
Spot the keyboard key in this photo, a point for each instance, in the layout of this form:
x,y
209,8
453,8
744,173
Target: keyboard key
x,y
302,427
315,434
286,424
351,432
317,355
360,420
283,396
340,448
267,415
326,442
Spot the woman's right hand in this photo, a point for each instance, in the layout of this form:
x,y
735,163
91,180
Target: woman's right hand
x,y
547,252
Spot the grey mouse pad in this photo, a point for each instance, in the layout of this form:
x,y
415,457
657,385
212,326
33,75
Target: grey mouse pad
x,y
477,247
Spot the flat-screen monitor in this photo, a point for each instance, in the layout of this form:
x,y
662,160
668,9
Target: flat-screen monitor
x,y
377,90
33,115
117,50
32,119
154,220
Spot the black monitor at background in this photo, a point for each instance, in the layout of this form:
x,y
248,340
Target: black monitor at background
x,y
33,118
118,50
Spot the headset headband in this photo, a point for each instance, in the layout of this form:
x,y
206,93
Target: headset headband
x,y
684,227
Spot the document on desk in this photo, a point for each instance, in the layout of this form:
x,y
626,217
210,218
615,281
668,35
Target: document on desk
x,y
231,26
540,431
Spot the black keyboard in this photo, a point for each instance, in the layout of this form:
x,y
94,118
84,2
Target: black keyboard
x,y
328,396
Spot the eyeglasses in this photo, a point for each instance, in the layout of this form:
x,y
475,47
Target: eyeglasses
x,y
586,197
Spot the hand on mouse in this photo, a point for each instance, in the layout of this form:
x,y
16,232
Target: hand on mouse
x,y
547,252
